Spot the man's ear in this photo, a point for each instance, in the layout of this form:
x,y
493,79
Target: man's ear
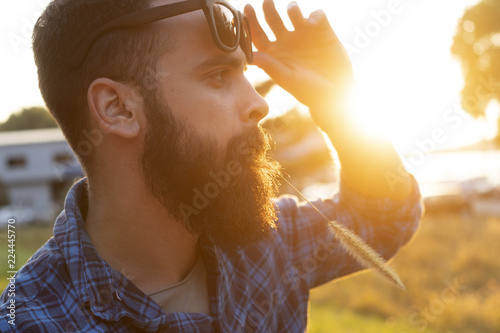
x,y
114,107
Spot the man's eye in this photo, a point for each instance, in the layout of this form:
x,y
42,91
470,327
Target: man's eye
x,y
218,75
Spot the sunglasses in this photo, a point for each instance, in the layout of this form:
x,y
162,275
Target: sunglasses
x,y
228,26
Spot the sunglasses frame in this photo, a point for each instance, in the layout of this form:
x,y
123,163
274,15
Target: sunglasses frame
x,y
158,13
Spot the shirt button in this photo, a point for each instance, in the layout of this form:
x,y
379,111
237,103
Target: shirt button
x,y
118,296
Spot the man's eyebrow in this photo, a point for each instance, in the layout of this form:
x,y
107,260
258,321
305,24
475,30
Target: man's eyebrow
x,y
229,61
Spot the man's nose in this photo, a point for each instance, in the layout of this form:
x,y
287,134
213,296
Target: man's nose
x,y
256,107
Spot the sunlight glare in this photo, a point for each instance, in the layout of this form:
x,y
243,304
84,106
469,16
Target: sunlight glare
x,y
368,112
492,116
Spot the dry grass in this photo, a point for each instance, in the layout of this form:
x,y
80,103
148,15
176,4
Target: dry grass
x,y
452,275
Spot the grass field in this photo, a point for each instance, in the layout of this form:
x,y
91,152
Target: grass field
x,y
451,271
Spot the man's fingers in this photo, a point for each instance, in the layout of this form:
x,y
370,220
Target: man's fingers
x,y
296,16
273,18
319,19
278,72
259,37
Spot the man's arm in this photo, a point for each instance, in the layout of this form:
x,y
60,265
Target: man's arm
x,y
311,64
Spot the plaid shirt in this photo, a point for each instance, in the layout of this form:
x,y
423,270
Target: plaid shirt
x,y
66,287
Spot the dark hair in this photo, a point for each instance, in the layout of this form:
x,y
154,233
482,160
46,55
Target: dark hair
x,y
121,55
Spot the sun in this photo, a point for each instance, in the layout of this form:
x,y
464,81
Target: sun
x,y
369,111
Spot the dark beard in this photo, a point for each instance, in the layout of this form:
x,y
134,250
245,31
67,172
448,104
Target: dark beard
x,y
223,195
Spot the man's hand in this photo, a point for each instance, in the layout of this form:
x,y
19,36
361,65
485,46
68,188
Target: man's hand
x,y
309,62
312,65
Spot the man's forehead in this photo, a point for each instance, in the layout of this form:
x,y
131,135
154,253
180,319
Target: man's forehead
x,y
194,44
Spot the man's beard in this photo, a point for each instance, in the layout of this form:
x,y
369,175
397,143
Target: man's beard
x,y
224,195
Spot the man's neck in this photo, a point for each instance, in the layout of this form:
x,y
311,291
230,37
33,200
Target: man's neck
x,y
133,233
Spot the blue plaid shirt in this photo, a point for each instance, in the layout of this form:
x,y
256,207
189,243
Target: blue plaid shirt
x,y
66,287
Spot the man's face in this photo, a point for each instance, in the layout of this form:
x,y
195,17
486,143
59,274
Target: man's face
x,y
221,193
204,157
205,86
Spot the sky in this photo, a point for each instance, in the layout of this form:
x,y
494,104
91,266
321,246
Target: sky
x,y
409,83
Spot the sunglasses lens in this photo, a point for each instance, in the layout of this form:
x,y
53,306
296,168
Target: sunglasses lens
x,y
226,25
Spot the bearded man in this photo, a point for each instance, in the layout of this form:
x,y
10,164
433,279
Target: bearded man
x,y
175,227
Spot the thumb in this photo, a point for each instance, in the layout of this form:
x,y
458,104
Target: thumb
x,y
279,72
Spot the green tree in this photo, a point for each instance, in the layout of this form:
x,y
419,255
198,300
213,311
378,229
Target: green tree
x,y
477,45
29,118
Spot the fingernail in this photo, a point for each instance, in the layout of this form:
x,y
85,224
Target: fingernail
x,y
316,17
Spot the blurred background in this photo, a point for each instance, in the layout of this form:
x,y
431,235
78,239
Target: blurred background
x,y
428,77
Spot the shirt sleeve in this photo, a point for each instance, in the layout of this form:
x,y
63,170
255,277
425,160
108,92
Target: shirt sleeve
x,y
308,241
